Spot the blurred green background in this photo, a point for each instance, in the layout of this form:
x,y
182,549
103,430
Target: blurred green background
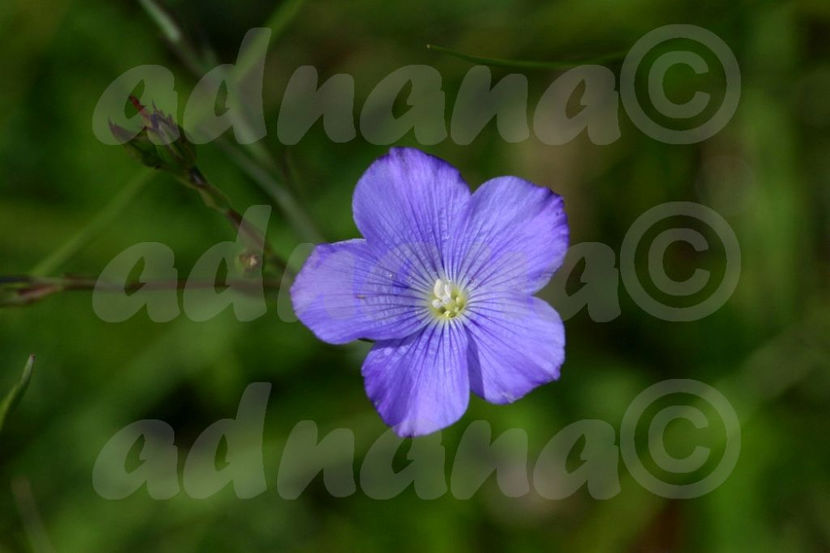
x,y
766,349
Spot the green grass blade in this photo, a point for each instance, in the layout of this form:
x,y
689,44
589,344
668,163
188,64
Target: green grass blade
x,y
12,398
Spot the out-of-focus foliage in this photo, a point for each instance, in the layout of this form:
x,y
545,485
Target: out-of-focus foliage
x,y
767,173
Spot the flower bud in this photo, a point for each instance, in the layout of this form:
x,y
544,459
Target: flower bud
x,y
160,143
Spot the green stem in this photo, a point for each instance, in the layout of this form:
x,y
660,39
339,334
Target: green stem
x,y
12,398
101,220
527,64
260,168
216,200
298,218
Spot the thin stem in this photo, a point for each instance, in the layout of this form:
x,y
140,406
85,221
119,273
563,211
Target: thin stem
x,y
285,200
103,218
260,165
282,16
12,398
32,521
216,200
26,290
526,64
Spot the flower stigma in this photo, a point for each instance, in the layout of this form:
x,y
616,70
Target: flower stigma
x,y
447,300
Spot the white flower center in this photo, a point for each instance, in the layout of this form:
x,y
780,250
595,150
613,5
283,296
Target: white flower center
x,y
447,300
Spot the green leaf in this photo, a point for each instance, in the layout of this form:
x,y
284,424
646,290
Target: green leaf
x,y
13,397
527,64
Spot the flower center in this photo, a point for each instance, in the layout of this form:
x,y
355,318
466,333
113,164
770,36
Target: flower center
x,y
447,300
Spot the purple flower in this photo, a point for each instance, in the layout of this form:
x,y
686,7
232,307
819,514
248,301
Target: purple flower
x,y
443,282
